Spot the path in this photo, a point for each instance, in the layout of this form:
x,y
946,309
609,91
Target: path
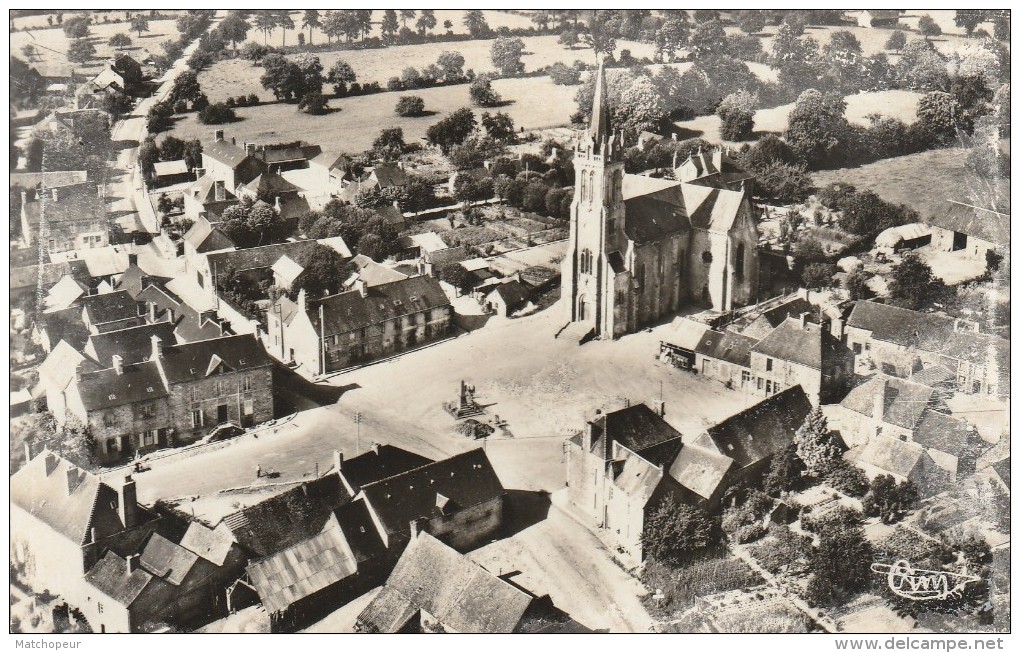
x,y
784,588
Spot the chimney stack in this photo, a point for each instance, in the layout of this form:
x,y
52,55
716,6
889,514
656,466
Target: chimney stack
x,y
803,320
249,149
837,328
157,348
218,135
51,462
132,259
199,173
302,300
276,203
127,504
416,527
73,479
662,409
220,190
878,409
338,460
361,287
132,563
375,448
118,364
152,312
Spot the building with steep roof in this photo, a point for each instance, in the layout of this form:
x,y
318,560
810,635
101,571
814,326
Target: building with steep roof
x,y
358,325
800,352
235,166
642,248
971,230
65,218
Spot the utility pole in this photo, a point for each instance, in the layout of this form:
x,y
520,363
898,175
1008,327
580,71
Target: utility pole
x,y
357,420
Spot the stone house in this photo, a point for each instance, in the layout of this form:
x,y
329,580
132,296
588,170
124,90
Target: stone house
x,y
904,461
65,218
253,263
507,298
207,198
235,166
971,230
111,312
799,352
339,331
721,355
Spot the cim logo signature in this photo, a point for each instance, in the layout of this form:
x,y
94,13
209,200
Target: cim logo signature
x,y
923,584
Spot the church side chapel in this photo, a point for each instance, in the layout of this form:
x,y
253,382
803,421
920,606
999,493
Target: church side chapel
x,y
643,248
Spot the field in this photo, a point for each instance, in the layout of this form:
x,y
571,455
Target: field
x,y
943,177
895,104
535,103
51,44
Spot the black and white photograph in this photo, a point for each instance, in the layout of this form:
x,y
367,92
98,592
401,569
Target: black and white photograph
x,y
510,321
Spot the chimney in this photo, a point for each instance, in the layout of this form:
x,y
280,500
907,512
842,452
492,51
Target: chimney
x,y
338,460
417,526
170,317
361,287
199,173
674,160
127,504
804,294
92,535
276,203
28,451
152,312
157,348
662,409
803,320
51,462
375,448
878,410
220,190
302,300
73,479
674,136
218,135
249,149
132,563
132,259
233,140
118,364
55,193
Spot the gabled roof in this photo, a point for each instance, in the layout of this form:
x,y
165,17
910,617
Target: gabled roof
x,y
270,185
60,364
297,152
164,559
110,576
65,325
167,168
41,489
636,427
901,326
302,570
203,191
654,208
75,203
514,293
793,308
111,307
686,333
193,361
63,294
714,209
634,476
134,280
891,455
355,521
763,429
389,175
466,480
255,258
133,344
212,544
700,469
726,346
806,346
349,311
287,269
106,388
984,223
337,244
378,463
977,348
459,593
225,152
903,401
944,433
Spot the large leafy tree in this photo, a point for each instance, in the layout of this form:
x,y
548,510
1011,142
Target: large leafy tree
x,y
888,499
451,63
139,24
80,51
786,470
250,224
452,130
341,75
816,445
310,21
426,21
506,55
601,35
475,23
283,77
915,286
324,272
671,37
817,128
707,38
841,564
674,531
234,28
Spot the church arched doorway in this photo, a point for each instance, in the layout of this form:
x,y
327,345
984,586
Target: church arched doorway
x,y
582,308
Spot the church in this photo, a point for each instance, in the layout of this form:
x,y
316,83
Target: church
x,y
643,248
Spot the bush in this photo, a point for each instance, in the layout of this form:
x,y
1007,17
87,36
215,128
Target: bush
x,y
848,479
482,94
217,114
818,276
749,533
410,106
565,75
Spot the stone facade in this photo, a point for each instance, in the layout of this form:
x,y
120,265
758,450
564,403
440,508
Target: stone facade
x,y
244,398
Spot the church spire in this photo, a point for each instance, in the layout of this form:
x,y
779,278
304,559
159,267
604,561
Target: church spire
x,y
600,129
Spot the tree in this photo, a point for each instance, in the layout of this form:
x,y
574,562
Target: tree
x,y
406,15
506,55
482,94
426,21
896,41
119,41
928,27
818,276
783,182
80,51
816,445
324,272
674,531
283,77
671,37
888,499
564,75
452,130
171,149
817,128
193,154
76,27
216,114
311,73
641,106
451,64
389,144
914,286
139,24
340,76
737,114
939,115
841,564
252,223
284,22
389,25
601,35
751,21
265,21
707,38
569,38
314,103
499,127
234,28
785,472
185,87
476,24
856,285
310,21
410,106
848,479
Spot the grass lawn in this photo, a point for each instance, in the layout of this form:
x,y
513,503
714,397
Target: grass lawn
x,y
922,181
51,44
536,103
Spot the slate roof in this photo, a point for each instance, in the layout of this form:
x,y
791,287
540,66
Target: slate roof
x,y
700,470
793,308
164,559
726,346
287,518
636,427
77,202
60,364
977,348
110,576
389,175
106,389
904,401
901,326
891,455
255,258
271,185
40,488
204,191
196,360
302,570
360,531
806,346
378,463
713,209
653,215
65,325
763,429
459,593
64,293
212,544
225,152
190,325
944,433
300,152
636,477
514,294
133,280
349,311
111,307
133,344
986,224
466,479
